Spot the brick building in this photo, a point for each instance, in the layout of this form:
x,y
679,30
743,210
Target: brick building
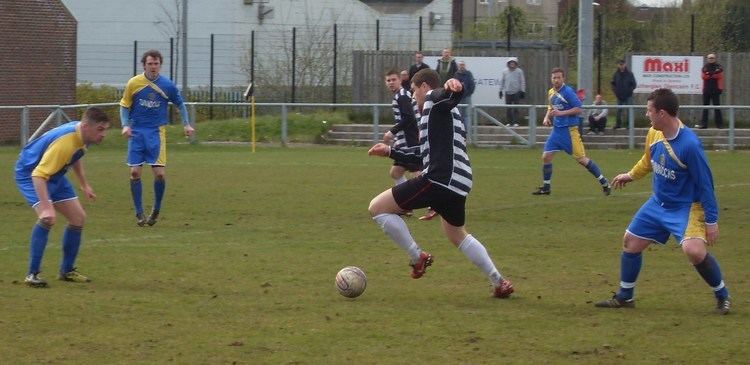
x,y
38,62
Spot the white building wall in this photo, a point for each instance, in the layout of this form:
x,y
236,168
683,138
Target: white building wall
x,y
107,30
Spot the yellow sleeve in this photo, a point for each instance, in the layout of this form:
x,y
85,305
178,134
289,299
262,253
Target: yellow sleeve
x,y
127,95
550,92
643,166
55,157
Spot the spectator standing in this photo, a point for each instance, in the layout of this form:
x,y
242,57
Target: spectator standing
x,y
623,84
513,87
713,84
405,80
467,79
598,116
416,67
446,66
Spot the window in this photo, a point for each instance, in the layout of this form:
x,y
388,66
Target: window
x,y
534,2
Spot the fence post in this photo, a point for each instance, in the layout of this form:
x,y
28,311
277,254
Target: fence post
x,y
532,127
283,124
420,34
377,34
252,56
24,125
468,121
731,129
631,128
135,57
375,122
294,56
335,46
171,75
211,80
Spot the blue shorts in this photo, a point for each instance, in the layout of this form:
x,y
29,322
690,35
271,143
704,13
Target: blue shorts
x,y
147,145
58,189
566,139
655,222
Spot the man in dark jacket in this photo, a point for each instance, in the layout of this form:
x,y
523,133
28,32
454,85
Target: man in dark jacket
x,y
623,84
416,67
713,84
467,79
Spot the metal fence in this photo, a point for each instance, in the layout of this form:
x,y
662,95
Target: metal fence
x,y
58,115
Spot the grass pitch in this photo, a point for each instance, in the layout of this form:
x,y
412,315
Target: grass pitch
x,y
240,268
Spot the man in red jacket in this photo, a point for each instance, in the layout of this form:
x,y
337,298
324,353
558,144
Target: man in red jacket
x,y
713,84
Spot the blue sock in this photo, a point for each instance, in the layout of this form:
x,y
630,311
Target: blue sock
x,y
594,170
159,187
630,266
711,273
39,235
546,175
136,191
71,242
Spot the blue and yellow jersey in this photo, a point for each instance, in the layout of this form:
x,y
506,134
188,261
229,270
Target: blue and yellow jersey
x,y
681,174
563,99
148,100
50,155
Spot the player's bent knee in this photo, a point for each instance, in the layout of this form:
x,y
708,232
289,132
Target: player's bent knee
x,y
695,250
47,222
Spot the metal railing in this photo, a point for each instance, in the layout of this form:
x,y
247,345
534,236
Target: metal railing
x,y
57,115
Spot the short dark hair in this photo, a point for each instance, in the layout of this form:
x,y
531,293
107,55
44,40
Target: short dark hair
x,y
151,53
393,71
665,99
557,70
427,75
95,115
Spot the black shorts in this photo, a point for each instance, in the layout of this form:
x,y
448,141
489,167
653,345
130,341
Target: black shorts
x,y
421,193
411,167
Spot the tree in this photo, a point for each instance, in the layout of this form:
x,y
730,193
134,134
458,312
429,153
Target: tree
x,y
170,24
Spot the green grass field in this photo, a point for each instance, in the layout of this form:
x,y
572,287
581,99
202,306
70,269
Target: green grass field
x,y
240,268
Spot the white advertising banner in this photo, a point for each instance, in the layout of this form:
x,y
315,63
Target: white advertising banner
x,y
682,74
486,71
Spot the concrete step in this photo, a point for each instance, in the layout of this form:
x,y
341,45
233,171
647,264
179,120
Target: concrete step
x,y
496,136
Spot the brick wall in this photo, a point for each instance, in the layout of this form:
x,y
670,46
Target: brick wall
x,y
38,63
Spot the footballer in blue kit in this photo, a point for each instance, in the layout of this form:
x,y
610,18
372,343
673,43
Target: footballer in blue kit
x,y
562,114
40,177
143,113
683,203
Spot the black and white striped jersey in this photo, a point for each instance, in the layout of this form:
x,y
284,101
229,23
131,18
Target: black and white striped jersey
x,y
442,143
405,114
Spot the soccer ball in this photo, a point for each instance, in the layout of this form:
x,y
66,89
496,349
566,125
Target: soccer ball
x,y
351,281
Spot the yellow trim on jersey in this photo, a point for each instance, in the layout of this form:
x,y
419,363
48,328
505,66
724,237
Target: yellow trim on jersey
x,y
550,92
162,159
578,150
643,166
136,84
696,227
58,154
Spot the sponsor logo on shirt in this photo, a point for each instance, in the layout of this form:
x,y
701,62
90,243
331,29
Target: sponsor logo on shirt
x,y
662,170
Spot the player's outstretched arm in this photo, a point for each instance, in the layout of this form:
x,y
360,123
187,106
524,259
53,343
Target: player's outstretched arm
x,y
620,180
379,149
453,85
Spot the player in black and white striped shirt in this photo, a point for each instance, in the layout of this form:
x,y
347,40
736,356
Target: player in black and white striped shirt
x,y
444,184
404,132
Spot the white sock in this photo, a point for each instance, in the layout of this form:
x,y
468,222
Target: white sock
x,y
396,229
399,180
475,251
